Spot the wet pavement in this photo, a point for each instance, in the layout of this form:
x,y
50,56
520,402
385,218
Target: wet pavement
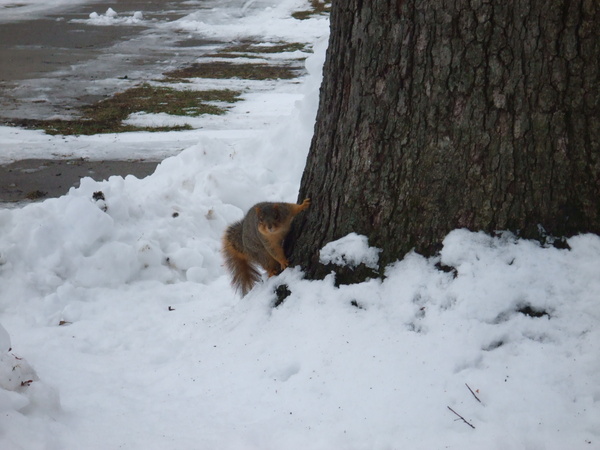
x,y
54,64
36,179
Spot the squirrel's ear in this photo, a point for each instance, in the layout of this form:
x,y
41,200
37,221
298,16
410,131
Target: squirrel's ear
x,y
257,210
276,206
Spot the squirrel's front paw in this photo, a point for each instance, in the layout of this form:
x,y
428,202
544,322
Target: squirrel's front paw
x,y
305,204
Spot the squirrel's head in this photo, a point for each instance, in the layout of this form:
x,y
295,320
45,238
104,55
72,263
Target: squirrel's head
x,y
269,218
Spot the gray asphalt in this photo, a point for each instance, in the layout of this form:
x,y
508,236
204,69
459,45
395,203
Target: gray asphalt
x,y
37,179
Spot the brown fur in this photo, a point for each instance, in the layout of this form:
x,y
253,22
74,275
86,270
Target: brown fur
x,y
257,240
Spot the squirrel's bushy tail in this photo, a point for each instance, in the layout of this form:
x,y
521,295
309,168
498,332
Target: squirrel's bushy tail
x,y
244,274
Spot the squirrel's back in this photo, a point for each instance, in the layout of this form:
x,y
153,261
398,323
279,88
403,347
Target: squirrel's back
x,y
257,240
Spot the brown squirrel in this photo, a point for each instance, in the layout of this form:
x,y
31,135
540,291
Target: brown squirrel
x,y
257,239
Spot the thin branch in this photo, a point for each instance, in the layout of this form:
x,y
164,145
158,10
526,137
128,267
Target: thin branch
x,y
471,390
462,418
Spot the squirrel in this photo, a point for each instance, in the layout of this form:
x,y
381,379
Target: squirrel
x,y
257,239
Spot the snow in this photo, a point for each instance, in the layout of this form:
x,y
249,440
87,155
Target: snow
x,y
120,328
111,17
351,250
276,22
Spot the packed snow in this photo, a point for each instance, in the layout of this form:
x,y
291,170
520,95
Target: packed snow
x,y
351,250
120,328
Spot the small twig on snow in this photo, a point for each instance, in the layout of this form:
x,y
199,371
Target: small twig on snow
x,y
471,390
462,418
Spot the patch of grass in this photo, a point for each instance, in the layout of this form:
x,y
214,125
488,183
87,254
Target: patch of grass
x,y
220,69
36,195
254,47
107,115
232,55
254,50
88,127
317,8
152,99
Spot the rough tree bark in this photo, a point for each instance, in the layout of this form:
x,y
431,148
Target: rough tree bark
x,y
442,114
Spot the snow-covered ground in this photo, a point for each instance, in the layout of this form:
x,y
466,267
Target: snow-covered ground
x,y
122,330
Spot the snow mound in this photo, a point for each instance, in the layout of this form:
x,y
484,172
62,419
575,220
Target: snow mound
x,y
22,394
15,372
351,250
111,17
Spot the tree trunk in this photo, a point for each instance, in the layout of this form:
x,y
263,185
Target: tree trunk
x,y
439,114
